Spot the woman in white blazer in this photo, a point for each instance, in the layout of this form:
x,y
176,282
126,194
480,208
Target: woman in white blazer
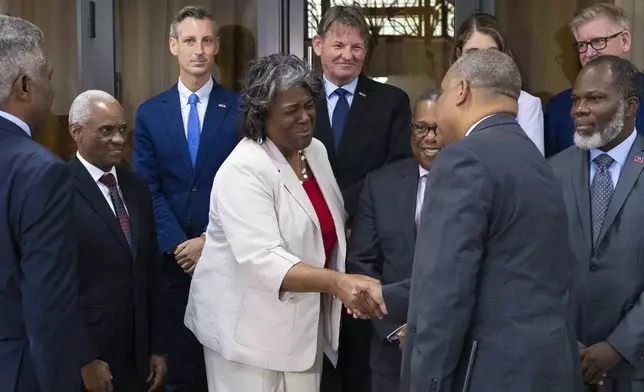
x,y
266,296
483,31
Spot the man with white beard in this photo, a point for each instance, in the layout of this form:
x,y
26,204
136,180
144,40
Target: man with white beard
x,y
600,177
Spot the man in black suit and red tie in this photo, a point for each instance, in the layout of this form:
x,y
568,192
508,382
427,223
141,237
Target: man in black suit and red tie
x,y
363,125
121,292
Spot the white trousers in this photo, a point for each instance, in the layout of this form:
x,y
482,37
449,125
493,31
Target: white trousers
x,y
228,376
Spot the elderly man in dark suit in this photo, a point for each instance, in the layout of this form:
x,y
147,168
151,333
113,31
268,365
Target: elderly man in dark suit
x,y
382,242
41,335
489,307
602,181
121,290
363,125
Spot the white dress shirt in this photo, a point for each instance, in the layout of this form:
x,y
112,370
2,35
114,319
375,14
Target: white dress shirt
x,y
420,193
477,123
619,153
23,125
204,95
96,174
530,118
332,99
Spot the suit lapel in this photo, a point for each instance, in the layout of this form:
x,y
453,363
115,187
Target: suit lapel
x,y
323,130
89,190
291,182
131,202
358,105
175,128
406,196
627,179
215,114
580,180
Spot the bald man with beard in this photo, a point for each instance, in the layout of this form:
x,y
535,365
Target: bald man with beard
x,y
603,188
118,259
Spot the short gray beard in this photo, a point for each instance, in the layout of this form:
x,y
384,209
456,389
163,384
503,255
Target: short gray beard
x,y
606,135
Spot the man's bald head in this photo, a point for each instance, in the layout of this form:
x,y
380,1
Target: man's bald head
x,y
489,70
97,125
478,84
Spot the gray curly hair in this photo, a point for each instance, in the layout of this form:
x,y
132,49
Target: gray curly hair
x,y
265,78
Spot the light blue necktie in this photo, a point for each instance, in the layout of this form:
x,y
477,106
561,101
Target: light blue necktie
x,y
194,128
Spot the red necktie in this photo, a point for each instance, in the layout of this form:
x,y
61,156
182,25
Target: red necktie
x,y
124,220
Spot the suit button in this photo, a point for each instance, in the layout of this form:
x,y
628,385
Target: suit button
x,y
194,189
593,267
642,357
189,223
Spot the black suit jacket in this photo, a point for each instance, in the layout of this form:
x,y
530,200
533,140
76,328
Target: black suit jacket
x,y
377,131
491,265
381,245
120,288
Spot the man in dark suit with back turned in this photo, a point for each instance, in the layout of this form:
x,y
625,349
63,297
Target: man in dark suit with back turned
x,y
383,238
121,291
181,137
491,274
42,340
601,177
363,125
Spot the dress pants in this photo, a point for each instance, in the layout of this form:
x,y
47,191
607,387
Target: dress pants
x,y
385,382
230,376
613,385
185,360
353,354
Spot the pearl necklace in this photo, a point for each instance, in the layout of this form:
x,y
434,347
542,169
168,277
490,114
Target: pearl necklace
x,y
301,164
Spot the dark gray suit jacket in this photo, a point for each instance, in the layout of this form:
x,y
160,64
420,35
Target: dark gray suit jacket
x,y
610,279
492,266
381,245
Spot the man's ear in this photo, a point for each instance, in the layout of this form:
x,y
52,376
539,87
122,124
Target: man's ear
x,y
75,132
317,45
632,104
173,43
463,92
21,87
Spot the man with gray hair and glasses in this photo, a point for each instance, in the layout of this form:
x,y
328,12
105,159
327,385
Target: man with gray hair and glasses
x,y
42,340
489,306
600,29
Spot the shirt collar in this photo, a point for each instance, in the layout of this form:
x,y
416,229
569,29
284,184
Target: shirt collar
x,y
94,171
23,125
477,123
203,93
619,153
422,171
329,87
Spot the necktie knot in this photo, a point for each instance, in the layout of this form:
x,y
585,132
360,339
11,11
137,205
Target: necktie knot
x,y
340,92
108,180
604,161
193,99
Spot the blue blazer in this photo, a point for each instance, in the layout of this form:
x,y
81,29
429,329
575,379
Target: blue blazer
x,y
43,343
558,125
181,194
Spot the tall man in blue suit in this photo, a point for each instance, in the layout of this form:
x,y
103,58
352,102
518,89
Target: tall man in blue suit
x,y
42,340
181,137
600,29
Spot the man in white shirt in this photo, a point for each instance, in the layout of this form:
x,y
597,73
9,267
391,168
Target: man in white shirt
x,y
121,291
601,177
181,138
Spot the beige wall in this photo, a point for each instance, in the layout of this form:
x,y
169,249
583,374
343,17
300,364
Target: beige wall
x,y
636,16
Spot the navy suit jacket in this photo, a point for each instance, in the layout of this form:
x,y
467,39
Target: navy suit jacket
x,y
181,194
121,292
42,340
558,125
381,245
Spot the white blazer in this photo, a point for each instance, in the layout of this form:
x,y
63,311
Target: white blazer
x,y
261,223
530,118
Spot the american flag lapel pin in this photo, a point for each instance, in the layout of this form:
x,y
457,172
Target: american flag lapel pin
x,y
362,94
221,105
638,159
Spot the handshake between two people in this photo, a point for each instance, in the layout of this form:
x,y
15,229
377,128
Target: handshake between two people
x,y
361,295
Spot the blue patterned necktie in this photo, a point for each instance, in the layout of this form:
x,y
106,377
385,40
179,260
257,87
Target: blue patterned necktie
x,y
339,115
194,128
601,193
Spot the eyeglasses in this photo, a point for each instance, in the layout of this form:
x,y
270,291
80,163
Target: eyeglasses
x,y
598,43
420,130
